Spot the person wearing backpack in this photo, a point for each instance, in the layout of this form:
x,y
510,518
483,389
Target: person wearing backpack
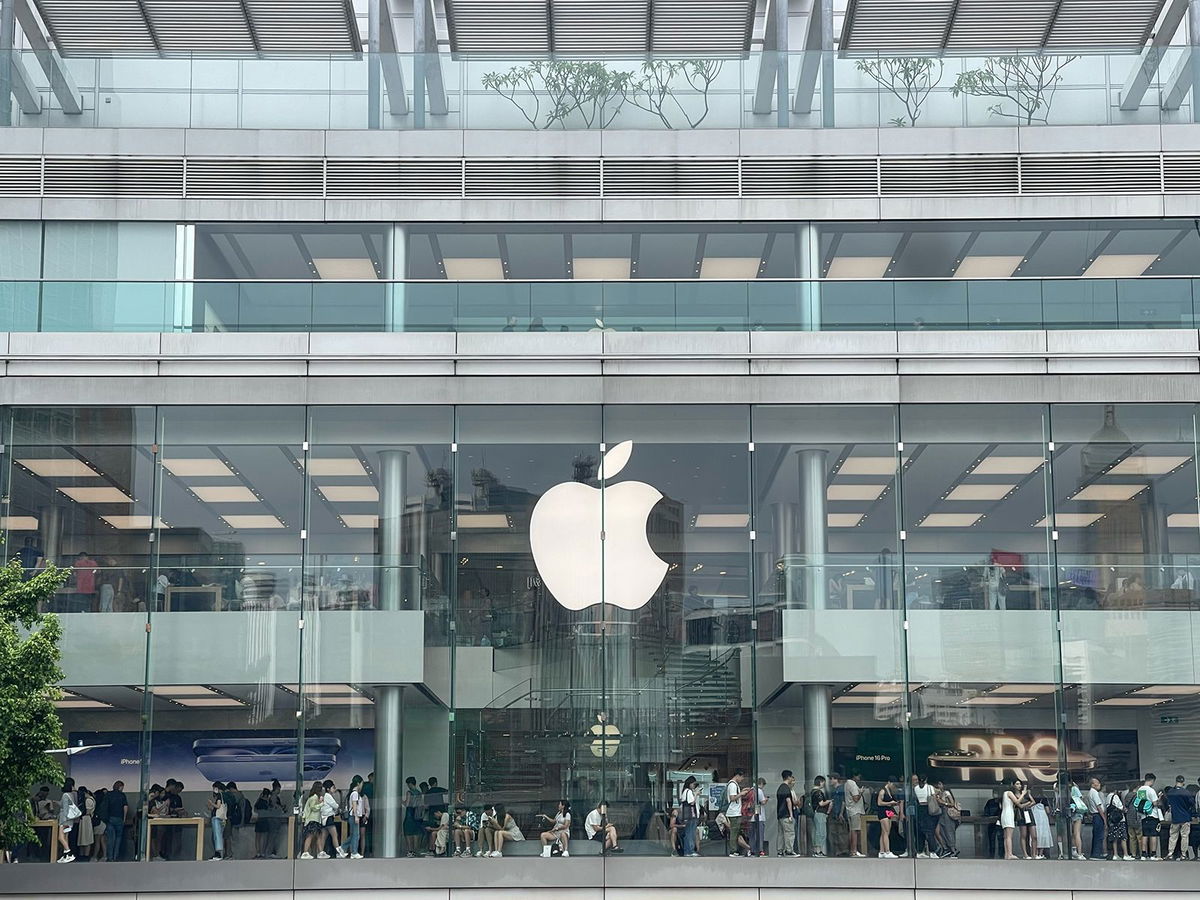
x,y
238,813
839,827
1145,803
733,813
1118,828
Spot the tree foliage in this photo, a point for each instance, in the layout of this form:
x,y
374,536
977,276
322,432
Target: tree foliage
x,y
550,92
29,677
1028,82
909,79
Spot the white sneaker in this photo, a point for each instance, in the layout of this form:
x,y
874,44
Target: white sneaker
x,y
922,856
496,854
546,852
323,855
356,856
859,855
306,855
66,859
342,854
566,853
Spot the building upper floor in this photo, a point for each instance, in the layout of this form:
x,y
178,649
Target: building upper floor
x,y
556,65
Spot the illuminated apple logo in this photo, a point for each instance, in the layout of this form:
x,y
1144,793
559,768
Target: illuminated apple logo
x,y
565,537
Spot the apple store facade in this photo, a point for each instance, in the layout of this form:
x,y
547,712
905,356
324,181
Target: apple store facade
x,y
529,603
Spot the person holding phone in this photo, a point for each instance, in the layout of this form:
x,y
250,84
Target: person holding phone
x,y
313,827
218,815
600,830
560,830
888,806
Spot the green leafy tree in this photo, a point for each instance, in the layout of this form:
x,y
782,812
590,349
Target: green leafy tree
x,y
29,677
1027,82
909,79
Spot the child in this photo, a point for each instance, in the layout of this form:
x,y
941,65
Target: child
x,y
464,834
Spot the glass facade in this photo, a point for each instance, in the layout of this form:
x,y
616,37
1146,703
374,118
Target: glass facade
x,y
517,604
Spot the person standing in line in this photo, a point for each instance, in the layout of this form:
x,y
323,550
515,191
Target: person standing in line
x,y
888,805
330,807
85,582
1078,808
1145,801
758,818
785,814
689,813
947,824
313,829
1095,806
218,815
819,803
1008,815
412,821
1118,830
926,843
855,810
354,815
262,824
277,817
68,815
1183,807
118,812
733,811
368,796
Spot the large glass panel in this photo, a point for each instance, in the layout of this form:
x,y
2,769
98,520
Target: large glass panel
x,y
1128,543
20,266
378,576
982,639
677,626
223,672
528,661
79,492
830,652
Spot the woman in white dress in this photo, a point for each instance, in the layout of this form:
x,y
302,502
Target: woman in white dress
x,y
1008,815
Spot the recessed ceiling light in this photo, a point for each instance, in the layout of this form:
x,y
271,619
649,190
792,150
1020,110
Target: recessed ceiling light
x,y
868,699
1120,265
59,468
70,703
345,268
349,493
474,268
980,492
1110,492
722,520
18,523
868,465
855,491
208,701
1147,465
181,690
336,466
1131,701
483,520
252,522
994,700
1173,690
988,267
352,520
321,688
1024,689
225,494
950,520
134,523
325,700
741,268
197,468
1183,520
858,266
875,687
96,494
1069,520
843,520
601,268
1008,465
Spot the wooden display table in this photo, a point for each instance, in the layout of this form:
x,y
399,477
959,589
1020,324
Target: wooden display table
x,y
181,821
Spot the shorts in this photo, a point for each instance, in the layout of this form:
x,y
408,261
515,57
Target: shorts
x,y
99,828
598,836
855,822
1077,815
1150,826
312,828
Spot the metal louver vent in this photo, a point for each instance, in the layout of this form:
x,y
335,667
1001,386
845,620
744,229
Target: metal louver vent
x,y
1115,24
393,179
625,29
254,178
533,178
1025,23
20,176
878,25
483,25
671,178
120,176
223,23
1181,172
949,175
1109,173
726,26
823,176
315,26
96,27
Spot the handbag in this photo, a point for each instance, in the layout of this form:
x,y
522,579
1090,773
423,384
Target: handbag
x,y
932,805
73,811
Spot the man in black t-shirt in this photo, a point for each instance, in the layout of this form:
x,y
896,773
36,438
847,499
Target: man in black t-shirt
x,y
784,809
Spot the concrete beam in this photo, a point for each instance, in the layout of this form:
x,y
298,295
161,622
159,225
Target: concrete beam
x,y
1143,73
764,88
389,59
810,59
435,84
23,88
61,81
1179,82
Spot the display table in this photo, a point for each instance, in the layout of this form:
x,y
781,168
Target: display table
x,y
52,824
199,590
182,821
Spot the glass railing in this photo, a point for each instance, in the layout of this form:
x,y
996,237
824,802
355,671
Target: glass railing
x,y
659,93
582,306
